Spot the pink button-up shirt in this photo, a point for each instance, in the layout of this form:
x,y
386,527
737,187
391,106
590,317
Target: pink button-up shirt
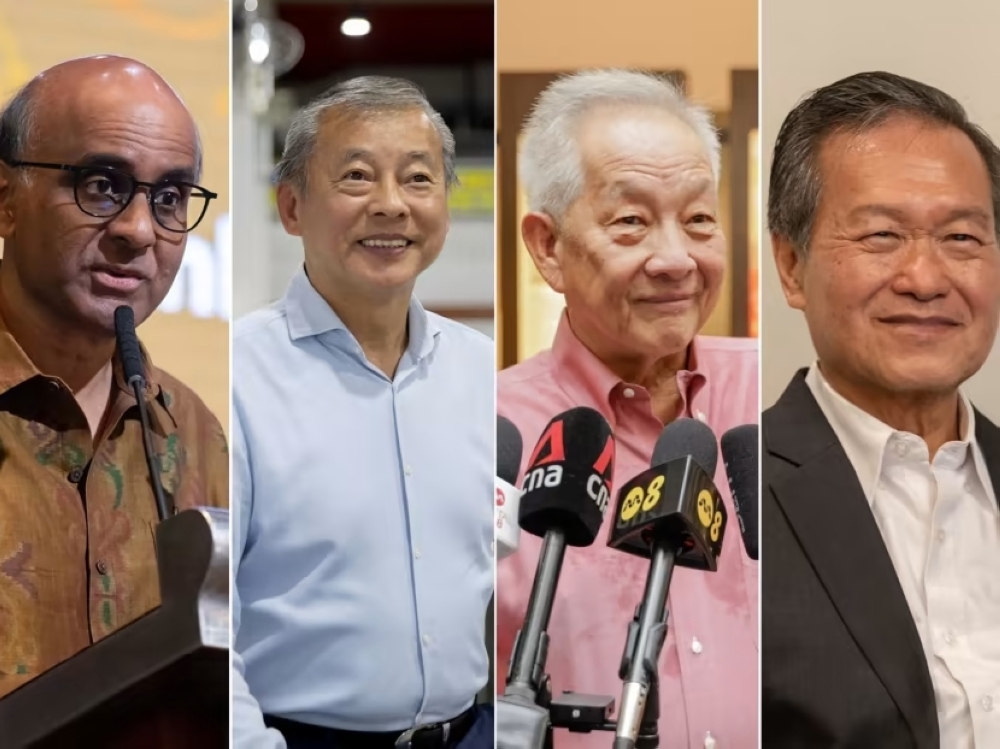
x,y
708,667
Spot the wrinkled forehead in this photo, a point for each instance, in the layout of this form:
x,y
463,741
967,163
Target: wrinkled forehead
x,y
379,129
639,138
905,162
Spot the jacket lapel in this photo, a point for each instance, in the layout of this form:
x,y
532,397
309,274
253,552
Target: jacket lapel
x,y
988,437
826,508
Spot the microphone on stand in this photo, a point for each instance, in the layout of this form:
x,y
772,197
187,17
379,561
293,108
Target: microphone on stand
x,y
740,451
130,357
672,515
509,446
566,489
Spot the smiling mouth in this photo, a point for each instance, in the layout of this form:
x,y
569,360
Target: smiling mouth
x,y
672,300
385,244
920,322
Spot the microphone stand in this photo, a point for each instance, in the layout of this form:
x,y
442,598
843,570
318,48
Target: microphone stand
x,y
528,699
581,713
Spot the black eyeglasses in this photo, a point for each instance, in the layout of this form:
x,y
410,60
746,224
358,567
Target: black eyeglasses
x,y
105,192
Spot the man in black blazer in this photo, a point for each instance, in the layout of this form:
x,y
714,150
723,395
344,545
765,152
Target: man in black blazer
x,y
881,529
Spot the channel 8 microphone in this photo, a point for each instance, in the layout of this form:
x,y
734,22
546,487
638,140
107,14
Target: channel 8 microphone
x,y
509,446
566,490
740,451
672,515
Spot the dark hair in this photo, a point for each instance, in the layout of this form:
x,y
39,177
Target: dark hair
x,y
15,123
854,104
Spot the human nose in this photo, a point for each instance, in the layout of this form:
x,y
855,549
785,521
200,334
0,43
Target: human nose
x,y
134,226
923,272
388,199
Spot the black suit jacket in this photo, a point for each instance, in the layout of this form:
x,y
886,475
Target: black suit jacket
x,y
843,666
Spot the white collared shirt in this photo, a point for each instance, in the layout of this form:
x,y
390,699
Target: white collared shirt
x,y
941,526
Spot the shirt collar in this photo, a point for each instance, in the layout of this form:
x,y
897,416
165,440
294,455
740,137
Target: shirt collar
x,y
18,368
586,379
309,315
866,438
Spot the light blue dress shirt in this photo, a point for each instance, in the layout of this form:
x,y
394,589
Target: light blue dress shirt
x,y
363,534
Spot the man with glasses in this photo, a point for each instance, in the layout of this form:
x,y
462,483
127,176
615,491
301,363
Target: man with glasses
x,y
99,161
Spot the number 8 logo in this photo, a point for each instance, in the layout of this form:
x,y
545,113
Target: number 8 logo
x,y
716,528
652,494
645,500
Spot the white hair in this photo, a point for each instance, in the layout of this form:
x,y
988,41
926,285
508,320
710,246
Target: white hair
x,y
549,164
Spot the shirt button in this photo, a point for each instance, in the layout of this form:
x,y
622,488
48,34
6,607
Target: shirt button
x,y
941,536
75,475
696,647
987,703
102,567
426,640
407,470
709,740
416,552
628,393
900,449
700,416
949,638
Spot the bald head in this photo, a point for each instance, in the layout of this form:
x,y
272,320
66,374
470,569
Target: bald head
x,y
77,141
68,96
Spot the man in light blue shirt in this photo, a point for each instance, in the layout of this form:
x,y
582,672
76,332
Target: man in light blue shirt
x,y
363,430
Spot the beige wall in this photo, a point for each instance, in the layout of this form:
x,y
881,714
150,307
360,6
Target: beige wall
x,y
186,41
951,45
706,38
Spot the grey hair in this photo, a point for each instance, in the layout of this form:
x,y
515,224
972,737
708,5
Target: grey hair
x,y
855,104
15,123
363,95
550,166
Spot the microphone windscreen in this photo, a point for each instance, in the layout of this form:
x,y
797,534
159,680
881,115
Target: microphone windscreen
x,y
740,451
128,344
685,437
509,448
567,484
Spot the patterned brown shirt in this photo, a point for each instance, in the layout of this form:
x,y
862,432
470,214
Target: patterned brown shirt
x,y
77,515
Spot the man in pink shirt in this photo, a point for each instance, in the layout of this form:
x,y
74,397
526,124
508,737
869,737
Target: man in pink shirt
x,y
621,174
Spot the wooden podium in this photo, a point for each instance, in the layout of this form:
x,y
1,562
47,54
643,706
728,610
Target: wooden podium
x,y
162,682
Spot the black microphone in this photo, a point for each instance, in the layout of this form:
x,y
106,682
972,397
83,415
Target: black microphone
x,y
740,451
130,357
509,445
509,448
566,487
671,514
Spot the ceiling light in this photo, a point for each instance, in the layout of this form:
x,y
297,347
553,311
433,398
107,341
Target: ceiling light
x,y
356,25
260,44
259,50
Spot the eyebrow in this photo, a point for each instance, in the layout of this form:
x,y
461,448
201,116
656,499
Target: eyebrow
x,y
877,209
114,161
360,154
632,188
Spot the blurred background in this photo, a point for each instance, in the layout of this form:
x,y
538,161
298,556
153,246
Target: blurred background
x,y
287,52
187,42
710,47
